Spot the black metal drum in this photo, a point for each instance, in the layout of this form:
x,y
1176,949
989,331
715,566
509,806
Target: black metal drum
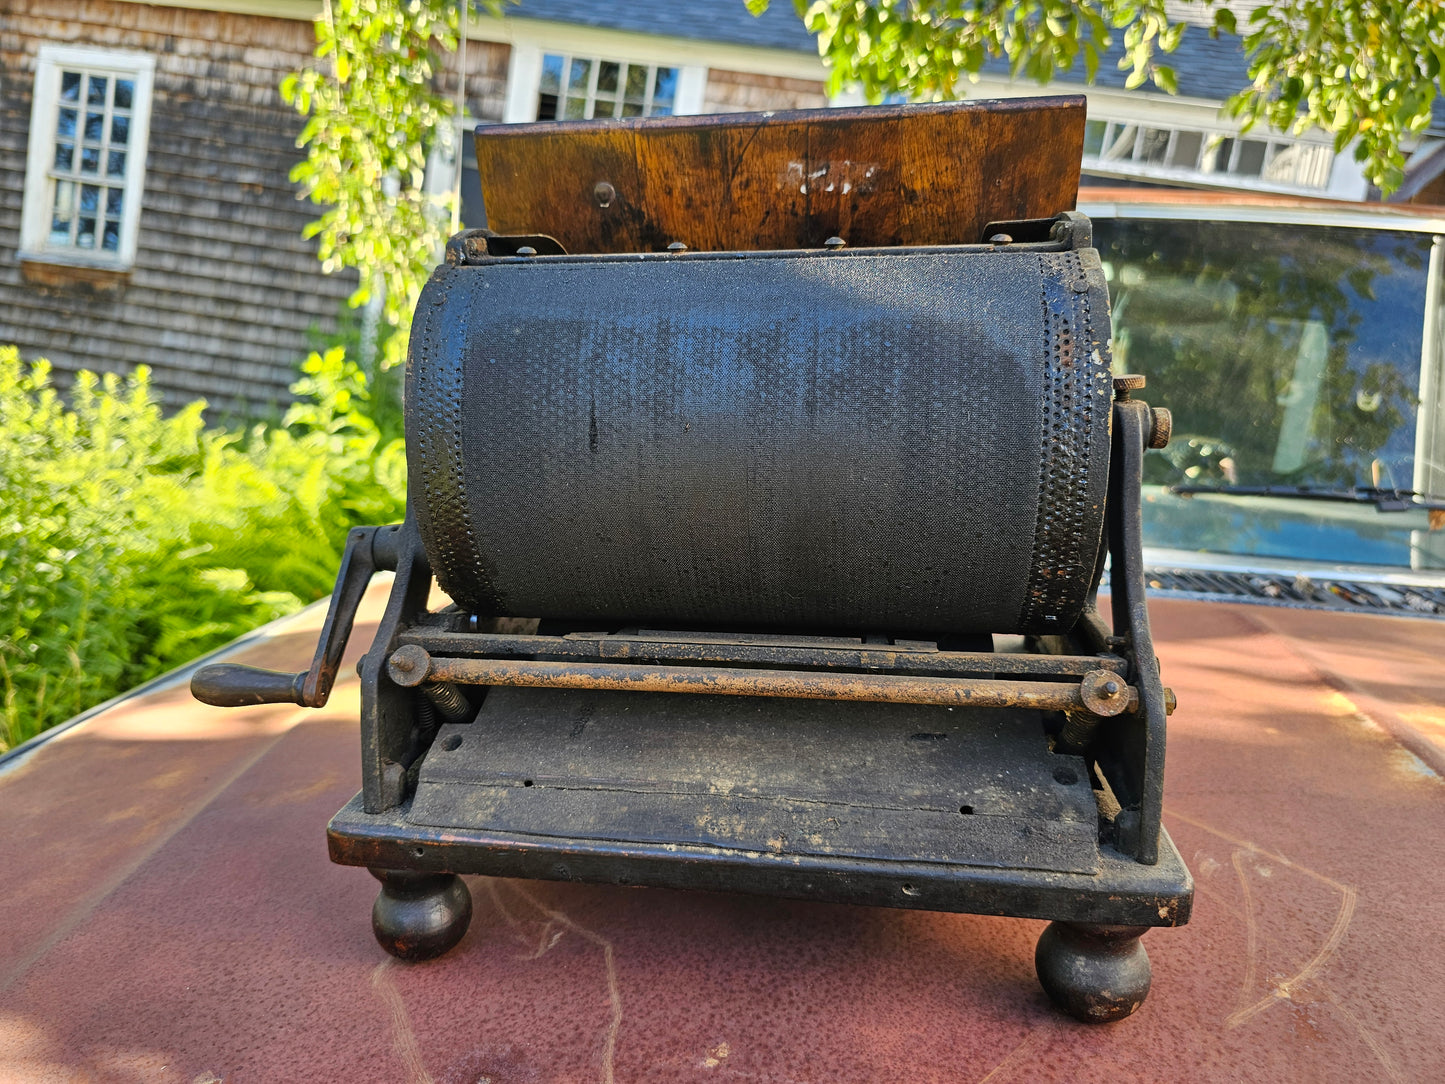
x,y
906,441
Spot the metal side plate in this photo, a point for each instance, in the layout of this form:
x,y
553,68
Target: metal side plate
x,y
883,782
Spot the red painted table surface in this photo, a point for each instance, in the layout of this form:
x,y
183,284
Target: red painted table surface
x,y
169,913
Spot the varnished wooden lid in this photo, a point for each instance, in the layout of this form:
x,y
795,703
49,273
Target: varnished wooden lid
x,y
876,176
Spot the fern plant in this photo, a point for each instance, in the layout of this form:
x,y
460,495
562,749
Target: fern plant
x,y
132,540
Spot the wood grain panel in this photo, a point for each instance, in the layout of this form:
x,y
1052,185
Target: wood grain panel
x,y
887,175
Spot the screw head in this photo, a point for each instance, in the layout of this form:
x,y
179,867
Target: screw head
x,y
526,250
1103,693
834,242
677,246
1125,385
603,193
1001,239
409,665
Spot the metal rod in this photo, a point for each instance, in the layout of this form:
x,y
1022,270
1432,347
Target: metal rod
x,y
797,684
880,656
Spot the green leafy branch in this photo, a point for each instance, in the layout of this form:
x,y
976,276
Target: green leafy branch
x,y
926,48
371,114
1367,71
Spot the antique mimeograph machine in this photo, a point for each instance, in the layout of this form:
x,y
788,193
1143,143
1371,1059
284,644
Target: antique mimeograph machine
x,y
771,463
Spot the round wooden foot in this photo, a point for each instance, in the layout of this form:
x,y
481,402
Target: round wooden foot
x,y
1094,973
419,915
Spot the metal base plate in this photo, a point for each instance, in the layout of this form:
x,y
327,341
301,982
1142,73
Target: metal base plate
x,y
901,805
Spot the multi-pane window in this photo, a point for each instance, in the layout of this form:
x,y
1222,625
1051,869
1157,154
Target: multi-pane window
x,y
87,156
583,88
1130,147
92,139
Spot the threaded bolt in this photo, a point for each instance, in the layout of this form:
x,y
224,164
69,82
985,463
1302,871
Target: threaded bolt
x,y
1126,385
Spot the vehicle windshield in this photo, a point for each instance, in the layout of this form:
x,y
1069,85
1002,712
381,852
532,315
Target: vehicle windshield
x,y
1290,356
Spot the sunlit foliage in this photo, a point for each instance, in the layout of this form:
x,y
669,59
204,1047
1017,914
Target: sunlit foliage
x,y
1367,71
132,541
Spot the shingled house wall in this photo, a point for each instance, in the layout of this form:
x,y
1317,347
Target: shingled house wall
x,y
747,92
224,295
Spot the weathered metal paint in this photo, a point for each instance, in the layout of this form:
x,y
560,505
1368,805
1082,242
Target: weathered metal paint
x,y
803,684
923,659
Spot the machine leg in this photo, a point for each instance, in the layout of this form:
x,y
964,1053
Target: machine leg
x,y
418,916
1094,973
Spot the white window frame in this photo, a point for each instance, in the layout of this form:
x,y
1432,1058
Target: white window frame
x,y
524,75
1117,125
40,186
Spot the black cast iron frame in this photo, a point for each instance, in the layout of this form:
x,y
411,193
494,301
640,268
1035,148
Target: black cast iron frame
x,y
1140,882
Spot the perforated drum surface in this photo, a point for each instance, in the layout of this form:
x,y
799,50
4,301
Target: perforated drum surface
x,y
898,441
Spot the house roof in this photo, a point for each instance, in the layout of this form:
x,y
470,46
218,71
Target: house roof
x,y
1210,68
1207,67
702,20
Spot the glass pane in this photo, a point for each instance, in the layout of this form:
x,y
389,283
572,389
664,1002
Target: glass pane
x,y
85,234
604,107
1094,137
1187,146
474,209
64,156
63,213
119,130
576,109
115,164
1314,166
607,76
664,85
1120,144
89,159
661,110
547,107
1280,164
65,199
1216,156
111,240
124,93
1290,356
632,109
577,80
65,124
1153,145
95,93
70,86
89,198
1251,158
636,82
95,126
114,201
551,74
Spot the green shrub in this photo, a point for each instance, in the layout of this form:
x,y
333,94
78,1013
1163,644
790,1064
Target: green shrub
x,y
132,541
